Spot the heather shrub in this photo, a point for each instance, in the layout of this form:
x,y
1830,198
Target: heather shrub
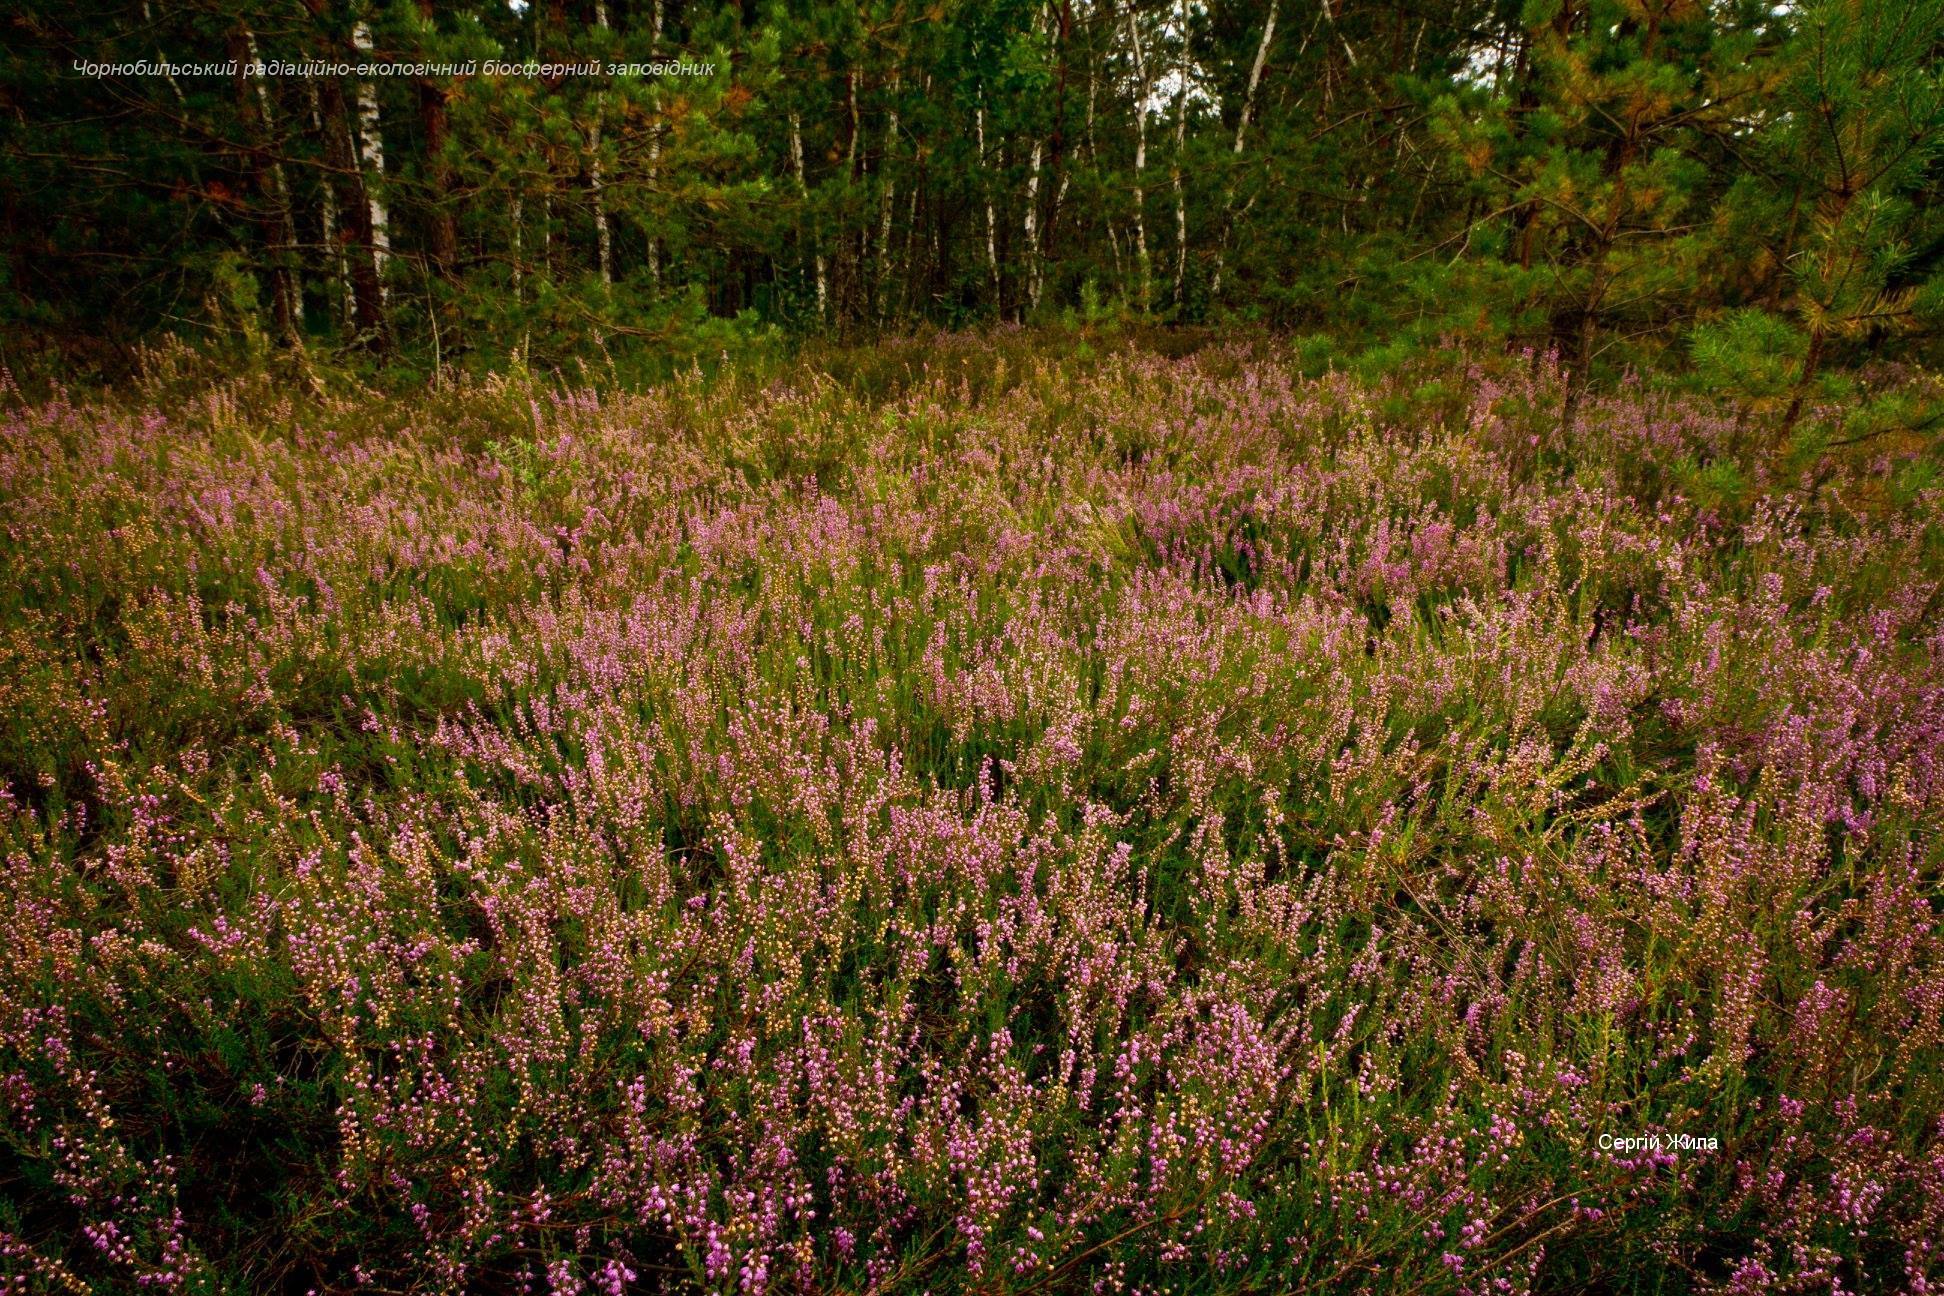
x,y
953,818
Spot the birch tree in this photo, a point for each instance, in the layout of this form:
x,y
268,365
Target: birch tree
x,y
603,235
1180,144
371,150
1032,230
803,196
655,143
273,194
359,211
887,192
337,259
1143,267
991,217
1241,135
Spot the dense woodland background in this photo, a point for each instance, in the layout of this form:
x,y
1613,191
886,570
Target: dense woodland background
x,y
1746,190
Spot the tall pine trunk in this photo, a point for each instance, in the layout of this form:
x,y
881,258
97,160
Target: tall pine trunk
x,y
441,232
1811,362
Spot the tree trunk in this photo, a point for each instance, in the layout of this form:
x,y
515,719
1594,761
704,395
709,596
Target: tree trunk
x,y
334,235
168,77
597,196
1032,231
992,220
356,239
273,193
1093,161
905,280
655,146
603,234
1142,264
1819,332
1528,103
1057,145
851,242
1811,362
803,195
519,248
442,235
1174,176
371,144
887,192
1582,361
549,245
1241,134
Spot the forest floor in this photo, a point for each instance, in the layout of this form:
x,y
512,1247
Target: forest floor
x,y
959,819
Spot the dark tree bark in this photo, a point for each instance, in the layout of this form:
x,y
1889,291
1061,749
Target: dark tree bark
x,y
345,174
441,233
354,211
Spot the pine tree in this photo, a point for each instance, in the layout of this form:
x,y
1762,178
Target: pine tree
x,y
1859,125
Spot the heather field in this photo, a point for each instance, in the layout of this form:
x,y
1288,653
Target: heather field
x,y
969,816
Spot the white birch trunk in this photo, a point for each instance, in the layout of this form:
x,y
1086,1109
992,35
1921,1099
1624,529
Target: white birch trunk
x,y
1241,133
885,198
1093,159
603,236
992,220
1174,174
1142,263
371,149
1255,77
852,261
148,18
654,149
1031,220
850,149
803,193
286,222
1329,16
1032,230
1059,198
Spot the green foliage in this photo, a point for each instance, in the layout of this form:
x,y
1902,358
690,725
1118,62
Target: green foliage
x,y
1749,353
1631,184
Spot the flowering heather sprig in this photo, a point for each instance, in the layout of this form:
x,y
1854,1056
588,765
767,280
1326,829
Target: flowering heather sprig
x,y
1050,827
